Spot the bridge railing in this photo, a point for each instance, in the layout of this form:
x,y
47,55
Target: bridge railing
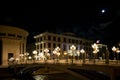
x,y
64,61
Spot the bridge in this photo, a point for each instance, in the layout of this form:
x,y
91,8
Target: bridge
x,y
82,70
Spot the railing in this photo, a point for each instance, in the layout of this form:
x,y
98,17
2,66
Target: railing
x,y
64,61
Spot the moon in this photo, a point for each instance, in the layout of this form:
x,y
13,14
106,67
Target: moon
x,y
103,10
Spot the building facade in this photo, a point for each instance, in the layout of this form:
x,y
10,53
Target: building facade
x,y
51,41
102,51
12,43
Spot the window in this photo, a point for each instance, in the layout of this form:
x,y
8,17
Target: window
x,y
54,45
77,41
49,37
64,39
40,38
40,45
73,41
58,39
44,45
19,36
10,55
58,45
69,40
54,38
63,47
80,42
49,45
37,39
2,34
11,35
44,37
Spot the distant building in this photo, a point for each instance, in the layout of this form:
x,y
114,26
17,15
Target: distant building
x,y
12,43
102,50
64,41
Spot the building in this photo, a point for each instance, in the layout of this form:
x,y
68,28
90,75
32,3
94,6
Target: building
x,y
12,43
102,50
64,41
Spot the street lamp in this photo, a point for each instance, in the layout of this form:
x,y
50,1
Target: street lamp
x,y
78,53
54,54
66,56
58,54
26,56
73,48
107,56
83,55
29,58
46,52
95,50
57,49
114,50
21,58
117,51
35,55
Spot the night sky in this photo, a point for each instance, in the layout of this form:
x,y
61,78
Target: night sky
x,y
100,22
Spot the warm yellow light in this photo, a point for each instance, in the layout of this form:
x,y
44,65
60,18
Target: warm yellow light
x,y
65,53
46,50
73,47
114,48
34,52
82,51
78,52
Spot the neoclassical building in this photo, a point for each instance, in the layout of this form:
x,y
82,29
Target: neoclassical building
x,y
12,43
64,41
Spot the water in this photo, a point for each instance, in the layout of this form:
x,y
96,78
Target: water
x,y
59,76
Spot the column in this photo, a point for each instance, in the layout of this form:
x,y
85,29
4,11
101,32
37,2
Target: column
x,y
42,47
39,47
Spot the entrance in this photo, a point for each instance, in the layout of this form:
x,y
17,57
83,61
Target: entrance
x,y
10,55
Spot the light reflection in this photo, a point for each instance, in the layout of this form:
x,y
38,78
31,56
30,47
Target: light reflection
x,y
40,77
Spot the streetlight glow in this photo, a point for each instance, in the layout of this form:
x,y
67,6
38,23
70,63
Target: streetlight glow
x,y
113,48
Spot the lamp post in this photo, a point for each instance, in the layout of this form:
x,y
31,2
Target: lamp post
x,y
114,50
66,56
46,52
78,53
48,55
57,49
21,58
95,50
26,56
58,54
54,54
107,56
73,48
29,58
83,54
117,51
35,55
